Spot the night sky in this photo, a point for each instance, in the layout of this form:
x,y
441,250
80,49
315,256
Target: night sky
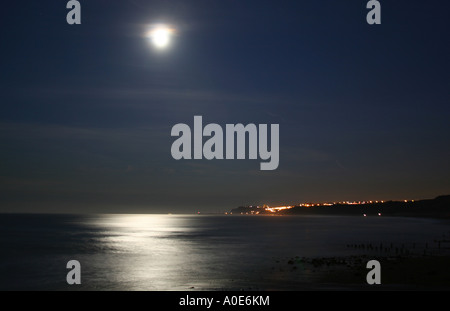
x,y
86,110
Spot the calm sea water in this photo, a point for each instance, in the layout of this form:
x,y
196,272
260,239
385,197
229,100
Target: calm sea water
x,y
186,252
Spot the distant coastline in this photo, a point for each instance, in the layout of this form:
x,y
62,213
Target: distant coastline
x,y
438,207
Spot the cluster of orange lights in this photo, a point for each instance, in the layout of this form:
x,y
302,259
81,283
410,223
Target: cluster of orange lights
x,y
277,209
280,208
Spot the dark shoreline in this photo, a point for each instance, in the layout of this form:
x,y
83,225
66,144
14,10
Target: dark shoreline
x,y
438,208
412,266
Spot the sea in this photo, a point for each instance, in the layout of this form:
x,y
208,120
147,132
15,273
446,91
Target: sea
x,y
134,252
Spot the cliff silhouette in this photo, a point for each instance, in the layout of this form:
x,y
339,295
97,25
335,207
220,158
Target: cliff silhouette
x,y
438,207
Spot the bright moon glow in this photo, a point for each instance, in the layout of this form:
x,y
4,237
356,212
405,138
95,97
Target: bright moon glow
x,y
160,36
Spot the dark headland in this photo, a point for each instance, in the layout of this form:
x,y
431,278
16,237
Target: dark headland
x,y
438,207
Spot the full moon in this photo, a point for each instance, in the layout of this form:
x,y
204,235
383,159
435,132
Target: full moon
x,y
161,36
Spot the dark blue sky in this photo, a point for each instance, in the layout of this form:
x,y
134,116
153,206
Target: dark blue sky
x,y
86,110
